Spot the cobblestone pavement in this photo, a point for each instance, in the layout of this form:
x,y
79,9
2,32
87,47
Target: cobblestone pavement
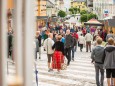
x,y
80,72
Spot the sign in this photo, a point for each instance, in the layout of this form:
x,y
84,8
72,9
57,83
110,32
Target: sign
x,y
106,13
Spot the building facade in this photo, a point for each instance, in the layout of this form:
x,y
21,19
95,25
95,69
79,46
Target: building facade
x,y
81,4
104,8
89,5
105,12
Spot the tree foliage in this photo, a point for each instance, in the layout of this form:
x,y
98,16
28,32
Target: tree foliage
x,y
74,10
83,18
71,10
83,12
86,17
62,13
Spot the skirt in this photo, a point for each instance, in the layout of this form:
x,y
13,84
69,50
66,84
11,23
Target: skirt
x,y
57,60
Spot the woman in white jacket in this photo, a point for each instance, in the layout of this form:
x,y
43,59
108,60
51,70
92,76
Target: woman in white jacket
x,y
81,41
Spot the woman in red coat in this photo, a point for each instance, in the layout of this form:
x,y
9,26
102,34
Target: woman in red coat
x,y
58,56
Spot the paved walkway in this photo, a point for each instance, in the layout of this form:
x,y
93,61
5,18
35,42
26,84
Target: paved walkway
x,y
80,72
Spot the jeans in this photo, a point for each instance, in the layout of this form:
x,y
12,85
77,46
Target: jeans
x,y
73,50
68,54
99,68
76,46
81,47
39,48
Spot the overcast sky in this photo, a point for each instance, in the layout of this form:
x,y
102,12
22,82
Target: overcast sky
x,y
67,3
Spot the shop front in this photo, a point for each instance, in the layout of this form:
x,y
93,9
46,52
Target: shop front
x,y
111,24
41,22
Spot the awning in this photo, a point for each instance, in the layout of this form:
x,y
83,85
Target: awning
x,y
94,22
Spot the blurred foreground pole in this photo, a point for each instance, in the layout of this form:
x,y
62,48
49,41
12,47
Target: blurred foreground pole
x,y
17,27
28,39
3,42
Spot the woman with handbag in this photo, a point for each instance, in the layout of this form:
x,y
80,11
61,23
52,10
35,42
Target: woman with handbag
x,y
58,56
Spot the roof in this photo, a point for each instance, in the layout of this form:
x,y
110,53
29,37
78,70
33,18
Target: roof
x,y
93,22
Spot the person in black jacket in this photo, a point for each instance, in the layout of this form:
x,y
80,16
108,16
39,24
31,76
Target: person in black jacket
x,y
69,42
58,56
10,46
39,43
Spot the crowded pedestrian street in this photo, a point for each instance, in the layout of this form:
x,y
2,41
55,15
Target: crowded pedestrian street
x,y
57,43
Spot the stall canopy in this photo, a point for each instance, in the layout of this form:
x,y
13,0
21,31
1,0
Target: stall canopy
x,y
93,22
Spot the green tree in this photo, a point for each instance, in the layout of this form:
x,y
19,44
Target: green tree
x,y
83,18
78,9
83,12
62,13
91,15
74,10
86,17
71,10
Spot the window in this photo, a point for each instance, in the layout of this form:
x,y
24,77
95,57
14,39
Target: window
x,y
83,6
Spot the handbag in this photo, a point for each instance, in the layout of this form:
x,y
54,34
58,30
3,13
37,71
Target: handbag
x,y
63,65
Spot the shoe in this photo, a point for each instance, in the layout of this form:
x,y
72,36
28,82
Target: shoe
x,y
68,64
86,51
50,70
73,59
39,57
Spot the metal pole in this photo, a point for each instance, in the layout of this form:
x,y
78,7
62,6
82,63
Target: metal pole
x,y
3,42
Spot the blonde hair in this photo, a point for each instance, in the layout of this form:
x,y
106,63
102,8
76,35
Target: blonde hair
x,y
59,37
111,41
99,40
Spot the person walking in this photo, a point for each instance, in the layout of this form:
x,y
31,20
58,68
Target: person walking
x,y
10,44
39,37
75,35
109,35
109,62
48,43
58,56
88,38
97,57
69,42
73,47
81,42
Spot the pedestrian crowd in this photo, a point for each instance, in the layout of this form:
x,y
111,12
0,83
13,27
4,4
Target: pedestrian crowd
x,y
61,42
